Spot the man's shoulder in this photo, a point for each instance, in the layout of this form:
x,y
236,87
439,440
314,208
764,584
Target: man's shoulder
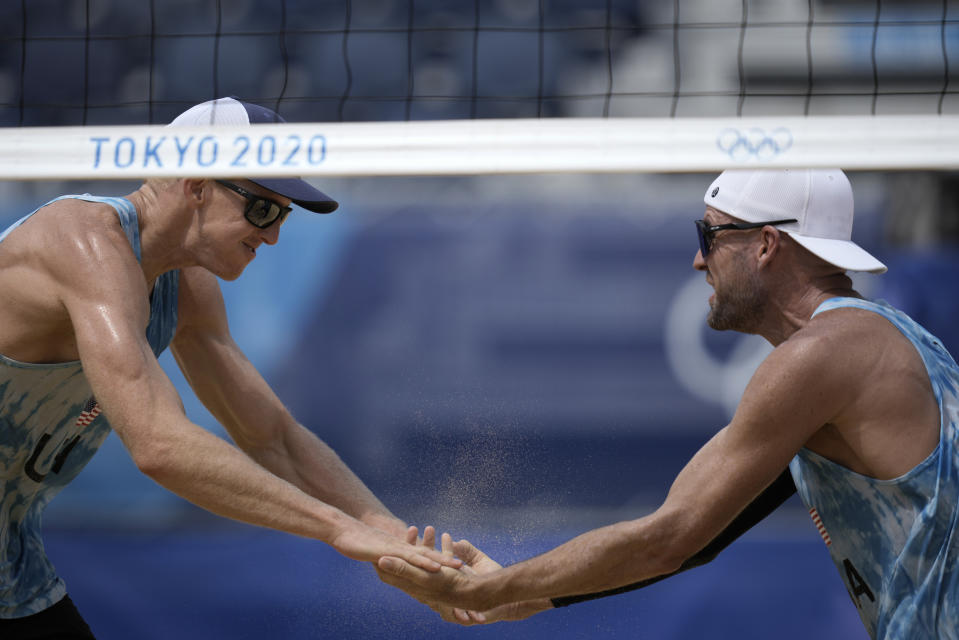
x,y
70,242
74,203
83,224
844,341
851,325
846,344
64,219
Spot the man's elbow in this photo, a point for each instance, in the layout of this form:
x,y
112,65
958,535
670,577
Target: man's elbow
x,y
675,541
669,560
154,457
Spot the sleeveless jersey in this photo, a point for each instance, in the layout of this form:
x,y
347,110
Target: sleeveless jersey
x,y
895,542
49,429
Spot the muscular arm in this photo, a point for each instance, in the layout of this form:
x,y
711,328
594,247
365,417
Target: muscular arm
x,y
231,388
768,501
101,286
791,396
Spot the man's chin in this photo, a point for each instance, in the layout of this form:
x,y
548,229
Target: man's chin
x,y
721,319
716,319
231,275
715,324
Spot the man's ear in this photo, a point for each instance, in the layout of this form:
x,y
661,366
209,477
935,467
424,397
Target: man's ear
x,y
770,244
193,189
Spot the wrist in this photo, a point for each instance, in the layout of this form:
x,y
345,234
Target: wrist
x,y
337,524
385,522
483,592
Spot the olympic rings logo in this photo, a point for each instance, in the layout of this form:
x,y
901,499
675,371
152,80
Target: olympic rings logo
x,y
754,143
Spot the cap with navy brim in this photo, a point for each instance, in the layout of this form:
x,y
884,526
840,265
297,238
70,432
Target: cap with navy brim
x,y
230,111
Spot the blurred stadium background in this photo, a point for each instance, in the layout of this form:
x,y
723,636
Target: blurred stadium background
x,y
513,359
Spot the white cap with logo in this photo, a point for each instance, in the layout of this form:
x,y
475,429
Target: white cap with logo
x,y
819,199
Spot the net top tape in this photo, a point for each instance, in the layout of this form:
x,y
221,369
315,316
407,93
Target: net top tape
x,y
467,147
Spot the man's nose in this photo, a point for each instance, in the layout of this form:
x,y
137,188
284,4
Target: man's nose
x,y
271,235
699,263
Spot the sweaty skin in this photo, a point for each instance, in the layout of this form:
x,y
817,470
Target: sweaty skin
x,y
73,290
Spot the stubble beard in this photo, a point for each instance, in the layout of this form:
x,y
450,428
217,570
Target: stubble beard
x,y
739,305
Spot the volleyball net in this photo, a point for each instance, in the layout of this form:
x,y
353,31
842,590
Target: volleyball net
x,y
409,87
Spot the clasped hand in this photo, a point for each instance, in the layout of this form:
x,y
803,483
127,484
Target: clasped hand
x,y
442,589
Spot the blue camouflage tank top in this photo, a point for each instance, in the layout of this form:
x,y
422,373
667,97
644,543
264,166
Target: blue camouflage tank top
x,y
895,542
50,428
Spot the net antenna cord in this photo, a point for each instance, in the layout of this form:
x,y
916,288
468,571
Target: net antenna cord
x,y
471,147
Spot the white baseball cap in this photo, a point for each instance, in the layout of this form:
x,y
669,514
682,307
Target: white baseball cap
x,y
230,111
819,199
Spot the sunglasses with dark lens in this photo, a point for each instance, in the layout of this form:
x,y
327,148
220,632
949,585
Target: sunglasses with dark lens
x,y
706,232
260,212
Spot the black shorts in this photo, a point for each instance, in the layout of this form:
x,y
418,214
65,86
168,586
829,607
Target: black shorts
x,y
62,621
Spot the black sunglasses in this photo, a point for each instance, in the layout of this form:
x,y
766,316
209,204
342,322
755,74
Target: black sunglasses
x,y
706,232
260,212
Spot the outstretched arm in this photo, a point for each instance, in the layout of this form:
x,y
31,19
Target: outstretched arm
x,y
479,563
773,422
102,287
236,394
768,501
